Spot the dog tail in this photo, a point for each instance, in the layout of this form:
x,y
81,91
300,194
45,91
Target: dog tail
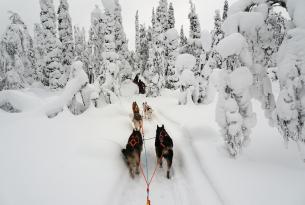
x,y
124,152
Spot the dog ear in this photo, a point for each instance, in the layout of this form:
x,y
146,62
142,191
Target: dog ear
x,y
163,126
158,127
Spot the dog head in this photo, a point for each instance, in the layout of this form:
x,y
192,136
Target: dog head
x,y
135,107
160,129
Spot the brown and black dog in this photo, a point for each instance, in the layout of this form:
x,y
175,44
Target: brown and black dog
x,y
132,152
164,148
137,118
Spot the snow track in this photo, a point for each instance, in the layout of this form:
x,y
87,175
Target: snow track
x,y
184,187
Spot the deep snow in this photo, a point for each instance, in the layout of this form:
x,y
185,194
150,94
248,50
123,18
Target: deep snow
x,y
76,159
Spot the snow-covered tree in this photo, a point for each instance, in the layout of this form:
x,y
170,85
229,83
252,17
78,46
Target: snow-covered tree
x,y
48,16
194,23
155,72
96,40
264,32
53,72
188,84
120,36
225,10
291,102
290,111
40,52
171,16
171,41
137,29
143,50
82,51
217,33
162,17
17,55
194,46
153,26
183,39
121,44
65,35
234,109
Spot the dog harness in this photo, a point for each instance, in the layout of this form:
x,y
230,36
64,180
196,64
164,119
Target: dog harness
x,y
134,141
163,134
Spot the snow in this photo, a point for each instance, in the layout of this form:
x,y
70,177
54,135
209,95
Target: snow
x,y
78,78
230,45
247,22
185,61
296,12
241,5
79,161
171,35
240,79
206,39
109,4
128,88
21,101
288,50
96,14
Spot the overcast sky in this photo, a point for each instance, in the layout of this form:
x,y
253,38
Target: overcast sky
x,y
80,11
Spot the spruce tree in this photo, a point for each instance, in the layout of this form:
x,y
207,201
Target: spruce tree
x,y
96,40
17,55
65,35
47,16
143,52
120,36
162,17
194,46
137,28
183,39
225,10
171,16
40,52
217,33
194,23
53,73
171,42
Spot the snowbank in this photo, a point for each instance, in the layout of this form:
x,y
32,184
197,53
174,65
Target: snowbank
x,y
78,79
19,100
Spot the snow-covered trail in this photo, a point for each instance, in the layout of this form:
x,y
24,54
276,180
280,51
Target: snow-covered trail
x,y
188,185
77,159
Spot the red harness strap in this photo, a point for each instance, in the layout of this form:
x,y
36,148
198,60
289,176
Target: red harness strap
x,y
134,141
163,134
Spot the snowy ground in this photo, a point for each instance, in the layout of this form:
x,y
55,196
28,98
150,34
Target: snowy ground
x,y
77,159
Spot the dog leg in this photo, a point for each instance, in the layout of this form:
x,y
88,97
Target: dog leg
x,y
138,165
131,172
160,162
169,160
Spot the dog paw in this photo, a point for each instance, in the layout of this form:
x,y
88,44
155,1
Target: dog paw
x,y
168,175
